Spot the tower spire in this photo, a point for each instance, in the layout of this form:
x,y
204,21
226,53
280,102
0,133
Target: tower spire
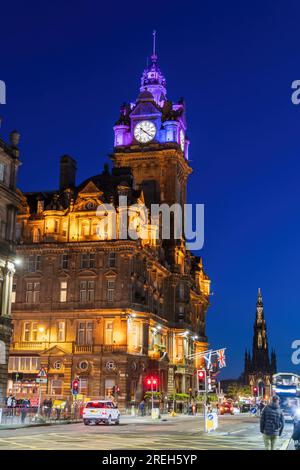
x,y
152,79
154,56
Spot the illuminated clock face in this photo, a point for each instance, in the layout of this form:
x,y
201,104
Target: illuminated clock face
x,y
182,139
145,131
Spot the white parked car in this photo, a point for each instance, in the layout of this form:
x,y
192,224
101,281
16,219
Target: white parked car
x,y
101,411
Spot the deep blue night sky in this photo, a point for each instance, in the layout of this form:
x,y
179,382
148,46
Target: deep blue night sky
x,y
68,67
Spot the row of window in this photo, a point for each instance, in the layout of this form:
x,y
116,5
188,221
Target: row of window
x,y
87,261
84,335
32,332
86,292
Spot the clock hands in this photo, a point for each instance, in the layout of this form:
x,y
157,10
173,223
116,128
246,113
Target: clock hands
x,y
145,132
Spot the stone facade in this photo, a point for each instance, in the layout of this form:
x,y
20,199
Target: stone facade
x,y
9,202
93,305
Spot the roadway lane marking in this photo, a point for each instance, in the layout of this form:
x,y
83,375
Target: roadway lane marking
x,y
235,432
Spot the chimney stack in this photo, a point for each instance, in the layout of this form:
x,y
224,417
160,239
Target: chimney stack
x,y
67,177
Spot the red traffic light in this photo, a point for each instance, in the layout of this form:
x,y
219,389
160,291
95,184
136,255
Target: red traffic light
x,y
151,381
75,383
201,374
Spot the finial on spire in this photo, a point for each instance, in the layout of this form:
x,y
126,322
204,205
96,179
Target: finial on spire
x,y
259,294
154,56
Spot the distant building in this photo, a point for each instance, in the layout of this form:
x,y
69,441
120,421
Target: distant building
x,y
9,201
260,367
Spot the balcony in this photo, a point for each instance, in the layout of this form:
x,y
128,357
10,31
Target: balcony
x,y
84,348
114,348
28,346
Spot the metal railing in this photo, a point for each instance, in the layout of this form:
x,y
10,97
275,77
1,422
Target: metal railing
x,y
28,416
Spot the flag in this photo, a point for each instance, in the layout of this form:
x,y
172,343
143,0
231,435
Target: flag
x,y
207,358
221,358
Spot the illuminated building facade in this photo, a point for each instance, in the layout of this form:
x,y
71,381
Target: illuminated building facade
x,y
93,305
9,202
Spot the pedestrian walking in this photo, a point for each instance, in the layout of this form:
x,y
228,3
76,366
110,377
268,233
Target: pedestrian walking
x,y
24,410
142,408
271,423
296,435
261,407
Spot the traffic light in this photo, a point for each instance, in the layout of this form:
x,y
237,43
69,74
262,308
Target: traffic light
x,y
17,376
255,391
201,380
152,383
75,387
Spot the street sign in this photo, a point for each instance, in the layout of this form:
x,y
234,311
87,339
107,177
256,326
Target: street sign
x,y
211,421
41,380
42,373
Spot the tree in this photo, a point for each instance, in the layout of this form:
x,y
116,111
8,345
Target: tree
x,y
235,390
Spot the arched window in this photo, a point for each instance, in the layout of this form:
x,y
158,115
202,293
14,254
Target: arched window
x,y
2,353
36,235
85,229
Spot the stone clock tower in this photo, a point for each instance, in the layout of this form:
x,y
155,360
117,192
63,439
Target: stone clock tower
x,y
150,138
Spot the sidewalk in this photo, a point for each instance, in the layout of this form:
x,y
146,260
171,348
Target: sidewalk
x,y
16,423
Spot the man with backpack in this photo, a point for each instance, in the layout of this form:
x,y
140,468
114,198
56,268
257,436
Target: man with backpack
x,y
271,423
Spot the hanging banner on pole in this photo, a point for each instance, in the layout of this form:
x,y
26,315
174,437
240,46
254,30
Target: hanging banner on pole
x,y
221,358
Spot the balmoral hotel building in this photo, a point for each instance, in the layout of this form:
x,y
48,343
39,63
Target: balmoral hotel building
x,y
91,305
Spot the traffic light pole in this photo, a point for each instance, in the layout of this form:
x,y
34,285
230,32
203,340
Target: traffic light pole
x,y
205,404
152,398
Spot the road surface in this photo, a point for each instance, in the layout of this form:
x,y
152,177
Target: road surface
x,y
183,432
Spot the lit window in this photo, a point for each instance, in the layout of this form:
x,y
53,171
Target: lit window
x,y
83,386
85,333
63,291
180,348
56,387
109,333
85,229
36,238
30,331
61,333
